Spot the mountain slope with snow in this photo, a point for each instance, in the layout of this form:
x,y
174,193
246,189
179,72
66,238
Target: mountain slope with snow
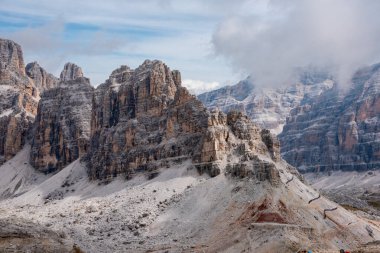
x,y
181,211
267,107
161,174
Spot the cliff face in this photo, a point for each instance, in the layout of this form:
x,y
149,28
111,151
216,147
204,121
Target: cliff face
x,y
267,107
339,129
18,100
143,121
40,78
143,118
62,127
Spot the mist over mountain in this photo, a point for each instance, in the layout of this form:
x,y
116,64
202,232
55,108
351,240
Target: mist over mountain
x,y
190,126
339,35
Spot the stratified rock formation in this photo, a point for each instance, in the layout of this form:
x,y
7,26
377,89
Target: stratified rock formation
x,y
62,127
70,72
40,78
144,122
143,117
18,100
267,107
338,130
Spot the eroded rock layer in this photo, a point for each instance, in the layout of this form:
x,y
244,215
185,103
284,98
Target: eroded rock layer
x,y
40,78
18,100
267,107
62,127
339,130
143,117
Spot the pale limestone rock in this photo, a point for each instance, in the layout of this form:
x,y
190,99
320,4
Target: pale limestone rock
x,y
18,100
40,78
62,127
143,118
70,72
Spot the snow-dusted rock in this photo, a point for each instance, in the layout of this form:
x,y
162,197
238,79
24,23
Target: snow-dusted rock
x,y
147,128
18,100
62,127
19,235
40,78
267,107
70,72
338,130
142,118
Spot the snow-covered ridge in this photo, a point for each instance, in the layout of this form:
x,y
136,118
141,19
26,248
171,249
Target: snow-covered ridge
x,y
267,107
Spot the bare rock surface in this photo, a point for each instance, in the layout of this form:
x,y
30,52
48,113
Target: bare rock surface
x,y
19,235
338,130
161,174
62,126
267,107
18,100
40,78
143,118
70,72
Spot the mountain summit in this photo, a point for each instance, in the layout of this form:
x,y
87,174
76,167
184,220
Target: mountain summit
x,y
140,165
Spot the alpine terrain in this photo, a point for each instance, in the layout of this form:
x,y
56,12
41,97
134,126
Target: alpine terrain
x,y
138,164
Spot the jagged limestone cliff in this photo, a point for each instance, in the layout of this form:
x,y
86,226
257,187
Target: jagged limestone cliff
x,y
18,100
142,118
62,127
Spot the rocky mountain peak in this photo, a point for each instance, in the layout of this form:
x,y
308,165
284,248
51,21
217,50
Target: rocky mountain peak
x,y
143,123
71,72
18,100
144,118
62,126
267,107
337,130
42,80
11,57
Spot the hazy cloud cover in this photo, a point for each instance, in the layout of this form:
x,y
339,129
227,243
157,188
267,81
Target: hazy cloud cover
x,y
212,43
341,35
102,35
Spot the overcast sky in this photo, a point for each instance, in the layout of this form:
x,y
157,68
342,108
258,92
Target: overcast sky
x,y
212,42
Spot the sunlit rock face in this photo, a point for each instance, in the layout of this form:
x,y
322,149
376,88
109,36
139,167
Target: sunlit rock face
x,y
143,118
18,100
62,128
40,78
338,130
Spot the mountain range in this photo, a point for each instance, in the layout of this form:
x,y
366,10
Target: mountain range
x,y
138,164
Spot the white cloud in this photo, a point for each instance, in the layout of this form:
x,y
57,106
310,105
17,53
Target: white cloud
x,y
127,32
197,86
342,35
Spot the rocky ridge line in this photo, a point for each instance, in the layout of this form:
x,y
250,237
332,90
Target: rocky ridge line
x,y
143,118
62,127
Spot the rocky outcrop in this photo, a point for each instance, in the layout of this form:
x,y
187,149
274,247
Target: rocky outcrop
x,y
338,130
18,235
265,106
18,100
143,118
40,78
62,127
70,72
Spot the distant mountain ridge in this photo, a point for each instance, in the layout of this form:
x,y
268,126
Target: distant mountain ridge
x,y
339,130
267,107
324,128
141,165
